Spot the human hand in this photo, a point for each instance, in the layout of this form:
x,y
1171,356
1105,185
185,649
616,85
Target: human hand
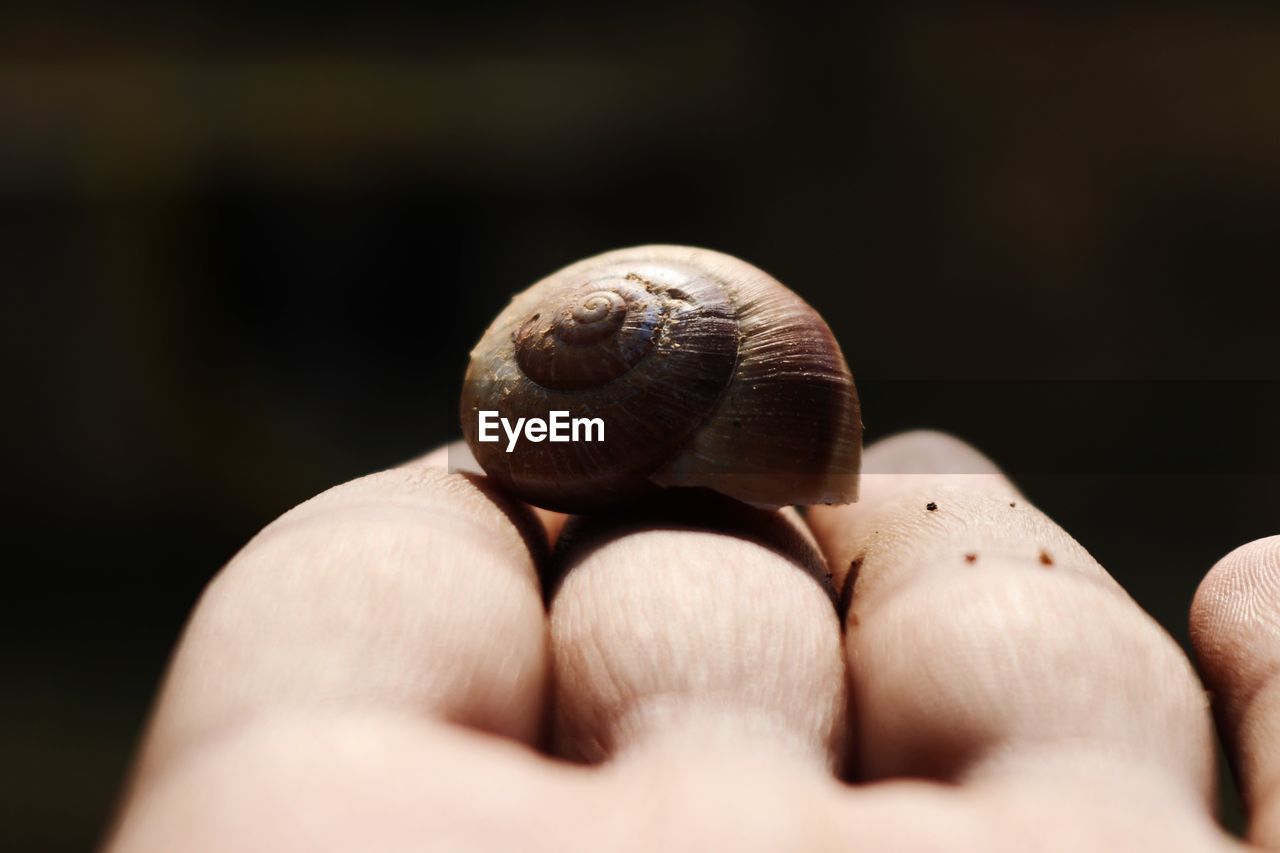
x,y
376,670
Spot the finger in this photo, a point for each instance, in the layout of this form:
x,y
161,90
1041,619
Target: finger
x,y
1235,629
985,643
457,457
697,625
412,591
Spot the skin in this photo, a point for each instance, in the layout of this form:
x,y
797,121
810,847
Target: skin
x,y
377,670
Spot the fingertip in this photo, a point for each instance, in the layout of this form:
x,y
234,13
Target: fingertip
x,y
1235,625
1235,630
1237,602
456,457
782,531
923,468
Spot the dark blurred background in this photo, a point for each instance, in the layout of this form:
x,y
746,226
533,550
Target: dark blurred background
x,y
246,248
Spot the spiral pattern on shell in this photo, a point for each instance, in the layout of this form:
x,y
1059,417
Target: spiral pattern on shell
x,y
705,371
594,335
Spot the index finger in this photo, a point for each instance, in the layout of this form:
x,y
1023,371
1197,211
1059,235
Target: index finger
x,y
413,591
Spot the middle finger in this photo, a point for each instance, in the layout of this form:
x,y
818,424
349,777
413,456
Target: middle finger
x,y
700,624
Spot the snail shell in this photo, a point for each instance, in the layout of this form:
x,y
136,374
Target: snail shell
x,y
705,371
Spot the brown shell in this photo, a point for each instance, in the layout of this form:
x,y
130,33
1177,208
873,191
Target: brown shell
x,y
706,372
